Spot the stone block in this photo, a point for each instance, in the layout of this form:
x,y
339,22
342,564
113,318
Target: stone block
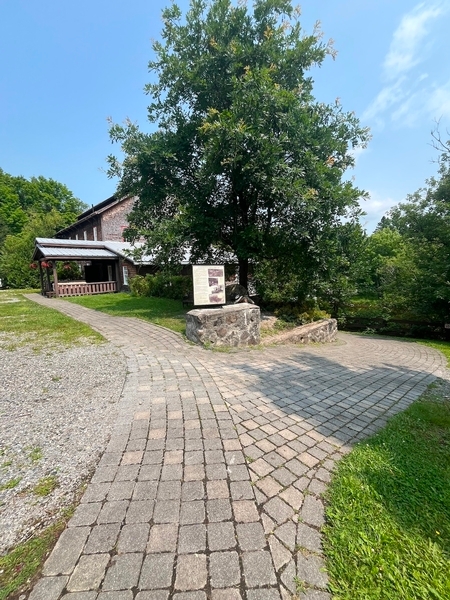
x,y
321,331
232,325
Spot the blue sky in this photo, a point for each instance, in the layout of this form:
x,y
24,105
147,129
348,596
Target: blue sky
x,y
65,67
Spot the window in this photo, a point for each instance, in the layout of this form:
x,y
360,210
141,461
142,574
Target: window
x,y
110,273
125,275
85,235
95,234
76,237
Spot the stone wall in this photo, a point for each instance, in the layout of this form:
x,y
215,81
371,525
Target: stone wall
x,y
232,325
321,331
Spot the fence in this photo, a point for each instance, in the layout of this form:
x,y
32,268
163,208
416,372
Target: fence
x,y
86,289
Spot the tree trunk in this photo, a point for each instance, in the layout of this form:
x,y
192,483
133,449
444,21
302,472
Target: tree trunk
x,y
243,272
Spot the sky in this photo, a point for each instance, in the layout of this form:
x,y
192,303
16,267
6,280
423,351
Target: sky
x,y
66,67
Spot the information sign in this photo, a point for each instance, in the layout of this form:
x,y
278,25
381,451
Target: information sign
x,y
209,284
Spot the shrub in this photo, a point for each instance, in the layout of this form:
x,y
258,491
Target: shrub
x,y
300,314
138,286
161,285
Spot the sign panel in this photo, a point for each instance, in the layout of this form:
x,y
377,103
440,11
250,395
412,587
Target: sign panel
x,y
209,284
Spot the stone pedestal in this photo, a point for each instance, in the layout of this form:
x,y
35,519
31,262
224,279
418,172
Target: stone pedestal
x,y
232,325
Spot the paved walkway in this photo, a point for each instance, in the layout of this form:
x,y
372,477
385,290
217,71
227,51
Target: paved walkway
x,y
211,486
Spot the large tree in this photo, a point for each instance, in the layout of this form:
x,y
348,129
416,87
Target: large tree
x,y
22,199
411,250
244,162
30,208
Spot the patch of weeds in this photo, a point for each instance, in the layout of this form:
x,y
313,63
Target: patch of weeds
x,y
54,378
213,348
300,585
249,459
35,454
20,565
11,484
45,486
6,464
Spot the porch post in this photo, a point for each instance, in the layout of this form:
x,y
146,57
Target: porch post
x,y
55,279
49,285
42,278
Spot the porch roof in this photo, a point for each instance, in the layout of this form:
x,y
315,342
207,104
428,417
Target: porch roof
x,y
57,249
50,248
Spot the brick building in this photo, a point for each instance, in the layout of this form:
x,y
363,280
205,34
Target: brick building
x,y
95,241
103,222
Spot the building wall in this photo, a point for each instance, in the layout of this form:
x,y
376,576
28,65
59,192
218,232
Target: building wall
x,y
114,221
109,224
88,228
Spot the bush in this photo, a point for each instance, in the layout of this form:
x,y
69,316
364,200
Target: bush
x,y
299,314
138,286
161,286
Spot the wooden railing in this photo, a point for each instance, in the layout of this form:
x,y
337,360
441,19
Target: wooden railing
x,y
86,289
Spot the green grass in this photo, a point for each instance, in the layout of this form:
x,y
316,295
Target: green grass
x,y
45,486
27,323
161,311
20,566
443,347
35,454
11,484
388,517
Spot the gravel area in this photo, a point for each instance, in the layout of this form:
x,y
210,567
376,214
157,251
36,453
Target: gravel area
x,y
57,411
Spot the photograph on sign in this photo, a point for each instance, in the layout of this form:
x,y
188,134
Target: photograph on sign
x,y
209,284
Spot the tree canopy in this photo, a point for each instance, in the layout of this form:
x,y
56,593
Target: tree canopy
x,y
409,253
244,161
28,209
20,198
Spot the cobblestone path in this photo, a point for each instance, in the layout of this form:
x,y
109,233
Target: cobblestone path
x,y
211,486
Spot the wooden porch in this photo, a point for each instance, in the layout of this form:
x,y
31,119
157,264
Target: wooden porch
x,y
74,288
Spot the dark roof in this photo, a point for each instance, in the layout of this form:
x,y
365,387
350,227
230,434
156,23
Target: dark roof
x,y
62,249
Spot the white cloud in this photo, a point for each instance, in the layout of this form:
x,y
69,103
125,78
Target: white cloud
x,y
408,113
406,50
358,152
439,101
407,95
388,97
375,207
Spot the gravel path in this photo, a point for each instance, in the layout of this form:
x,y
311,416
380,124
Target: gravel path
x,y
57,411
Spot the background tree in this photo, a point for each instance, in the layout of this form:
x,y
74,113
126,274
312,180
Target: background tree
x,y
245,163
410,251
38,207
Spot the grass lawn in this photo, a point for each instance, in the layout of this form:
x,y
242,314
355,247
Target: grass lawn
x,y
25,322
162,311
443,347
388,517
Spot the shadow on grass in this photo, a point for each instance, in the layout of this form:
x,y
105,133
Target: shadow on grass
x,y
407,468
388,531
